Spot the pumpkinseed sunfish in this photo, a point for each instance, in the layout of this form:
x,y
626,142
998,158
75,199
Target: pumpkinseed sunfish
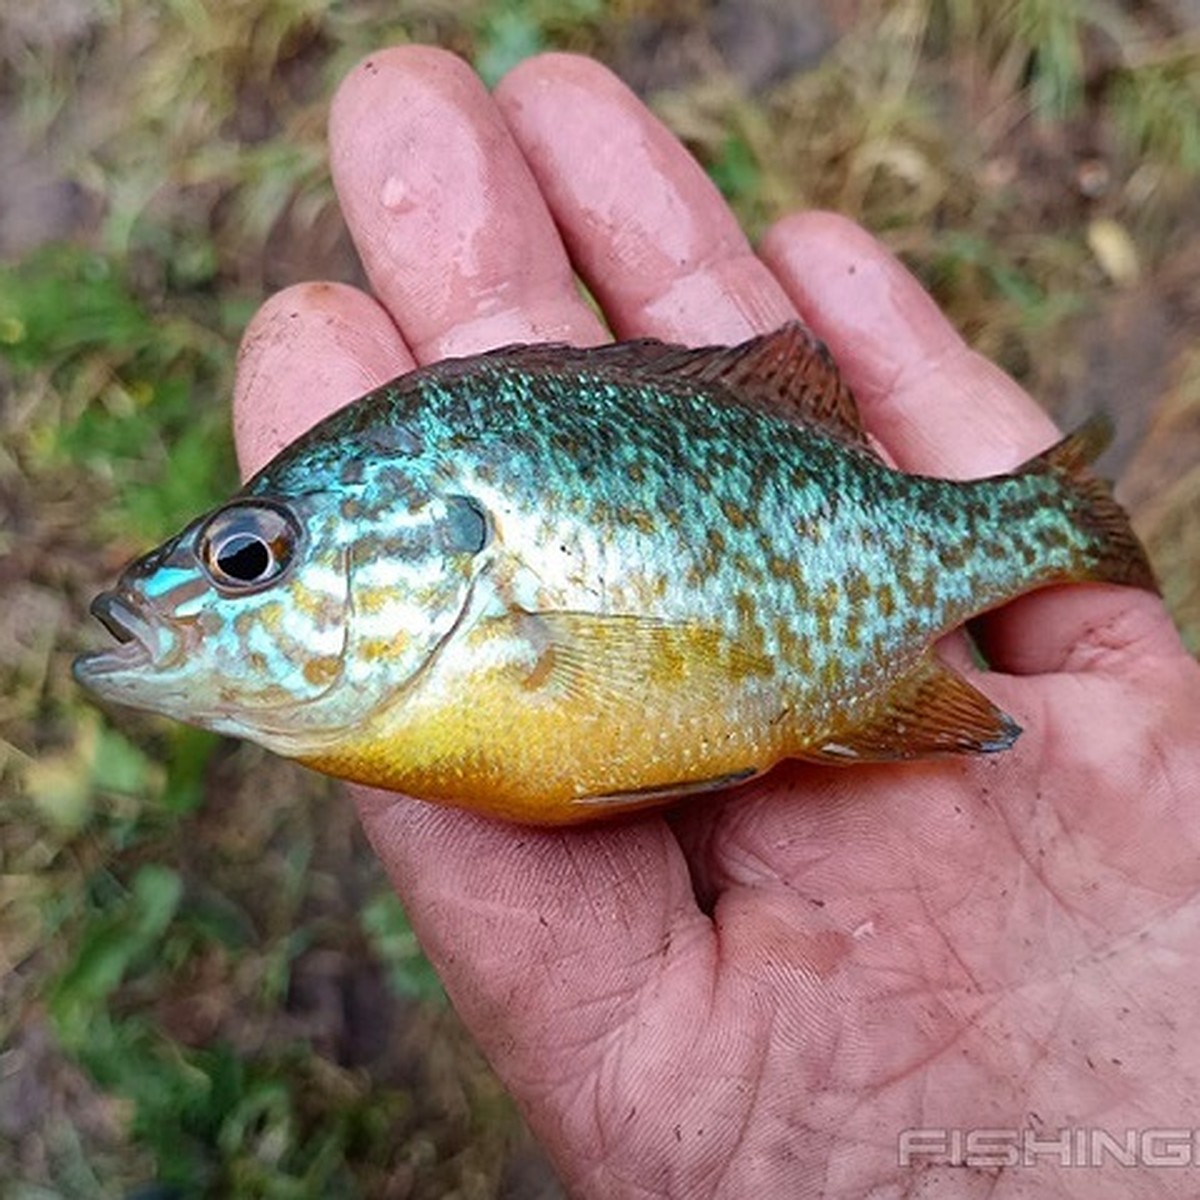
x,y
548,583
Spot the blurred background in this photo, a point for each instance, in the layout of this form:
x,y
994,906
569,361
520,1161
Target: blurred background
x,y
206,987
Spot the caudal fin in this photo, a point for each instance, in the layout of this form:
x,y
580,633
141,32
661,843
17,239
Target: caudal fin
x,y
1113,553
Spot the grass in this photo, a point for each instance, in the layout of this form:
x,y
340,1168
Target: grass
x,y
208,987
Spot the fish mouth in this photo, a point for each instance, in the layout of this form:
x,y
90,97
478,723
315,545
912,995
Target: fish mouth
x,y
132,633
115,615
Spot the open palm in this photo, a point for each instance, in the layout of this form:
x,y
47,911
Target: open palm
x,y
757,994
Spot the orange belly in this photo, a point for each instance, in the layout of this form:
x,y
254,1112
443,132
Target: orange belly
x,y
603,716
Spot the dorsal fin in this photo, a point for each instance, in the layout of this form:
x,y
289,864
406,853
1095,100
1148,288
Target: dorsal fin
x,y
788,373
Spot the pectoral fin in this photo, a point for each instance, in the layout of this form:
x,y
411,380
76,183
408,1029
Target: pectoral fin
x,y
630,660
933,710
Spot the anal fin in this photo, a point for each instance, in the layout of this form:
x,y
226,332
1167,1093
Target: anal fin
x,y
930,711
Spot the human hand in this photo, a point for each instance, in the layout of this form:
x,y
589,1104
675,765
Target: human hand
x,y
757,993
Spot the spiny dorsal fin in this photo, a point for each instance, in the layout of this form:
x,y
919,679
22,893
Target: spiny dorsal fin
x,y
1078,450
788,373
932,710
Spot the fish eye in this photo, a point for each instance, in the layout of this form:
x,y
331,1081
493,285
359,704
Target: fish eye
x,y
247,546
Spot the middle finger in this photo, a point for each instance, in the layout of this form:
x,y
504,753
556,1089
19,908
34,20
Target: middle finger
x,y
644,225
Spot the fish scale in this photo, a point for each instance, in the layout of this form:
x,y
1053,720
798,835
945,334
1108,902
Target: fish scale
x,y
550,584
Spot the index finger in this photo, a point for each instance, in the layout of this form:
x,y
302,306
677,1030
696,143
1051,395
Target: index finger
x,y
454,235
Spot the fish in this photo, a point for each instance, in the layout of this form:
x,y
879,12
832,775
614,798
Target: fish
x,y
551,584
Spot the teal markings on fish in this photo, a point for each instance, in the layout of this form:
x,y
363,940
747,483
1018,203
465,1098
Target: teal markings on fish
x,y
547,583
